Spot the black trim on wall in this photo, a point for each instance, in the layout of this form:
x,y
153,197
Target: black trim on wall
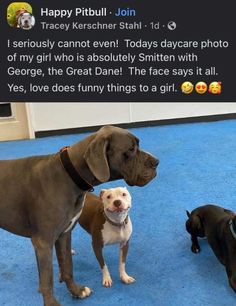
x,y
208,118
5,110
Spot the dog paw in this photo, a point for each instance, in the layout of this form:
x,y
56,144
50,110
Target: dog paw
x,y
86,292
195,249
80,292
107,282
106,277
127,279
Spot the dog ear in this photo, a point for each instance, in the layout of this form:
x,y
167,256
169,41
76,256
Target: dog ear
x,y
102,193
19,21
96,158
32,20
188,213
137,140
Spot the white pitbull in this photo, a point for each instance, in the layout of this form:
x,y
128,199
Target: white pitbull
x,y
26,21
107,220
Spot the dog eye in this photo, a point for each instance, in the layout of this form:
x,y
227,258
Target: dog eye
x,y
124,194
126,155
129,153
109,196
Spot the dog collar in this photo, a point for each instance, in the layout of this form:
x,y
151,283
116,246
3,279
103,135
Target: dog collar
x,y
231,227
72,172
114,223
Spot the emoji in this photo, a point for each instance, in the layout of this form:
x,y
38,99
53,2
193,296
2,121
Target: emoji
x,y
215,88
201,87
187,87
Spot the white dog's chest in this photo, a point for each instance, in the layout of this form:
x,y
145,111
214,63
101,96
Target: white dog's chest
x,y
113,234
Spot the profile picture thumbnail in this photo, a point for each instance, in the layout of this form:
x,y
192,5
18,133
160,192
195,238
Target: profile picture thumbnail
x,y
20,15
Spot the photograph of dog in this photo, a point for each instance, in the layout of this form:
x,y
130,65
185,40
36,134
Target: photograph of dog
x,y
49,193
218,225
25,20
20,15
106,219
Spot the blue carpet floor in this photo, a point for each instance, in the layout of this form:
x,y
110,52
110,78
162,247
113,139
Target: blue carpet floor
x,y
197,166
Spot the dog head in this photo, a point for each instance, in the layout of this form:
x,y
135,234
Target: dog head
x,y
194,225
116,199
114,153
26,21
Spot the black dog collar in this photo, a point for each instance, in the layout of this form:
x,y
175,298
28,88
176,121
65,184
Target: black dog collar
x,y
231,227
72,172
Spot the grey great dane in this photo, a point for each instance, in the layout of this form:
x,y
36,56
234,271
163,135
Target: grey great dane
x,y
42,197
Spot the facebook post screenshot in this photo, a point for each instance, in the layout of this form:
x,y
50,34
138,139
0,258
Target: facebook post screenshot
x,y
117,128
116,51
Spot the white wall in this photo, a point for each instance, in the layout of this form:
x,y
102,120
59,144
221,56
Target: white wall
x,y
53,116
157,111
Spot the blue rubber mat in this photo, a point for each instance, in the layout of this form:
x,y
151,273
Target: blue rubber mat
x,y
197,166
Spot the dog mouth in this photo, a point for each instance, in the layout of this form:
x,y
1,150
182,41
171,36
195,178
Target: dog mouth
x,y
118,210
143,180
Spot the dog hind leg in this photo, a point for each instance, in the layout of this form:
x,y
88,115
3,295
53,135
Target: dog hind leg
x,y
43,250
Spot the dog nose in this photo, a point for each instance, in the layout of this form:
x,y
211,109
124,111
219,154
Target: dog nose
x,y
153,163
156,163
117,203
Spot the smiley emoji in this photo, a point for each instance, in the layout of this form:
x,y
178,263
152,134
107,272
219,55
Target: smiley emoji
x,y
201,87
187,87
215,88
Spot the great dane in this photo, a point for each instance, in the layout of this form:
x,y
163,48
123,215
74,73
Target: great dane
x,y
42,197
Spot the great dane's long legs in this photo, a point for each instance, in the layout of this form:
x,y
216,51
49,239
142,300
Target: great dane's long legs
x,y
44,250
64,257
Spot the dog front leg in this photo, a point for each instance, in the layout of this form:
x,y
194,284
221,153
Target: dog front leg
x,y
123,275
230,266
106,277
195,245
64,257
43,252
